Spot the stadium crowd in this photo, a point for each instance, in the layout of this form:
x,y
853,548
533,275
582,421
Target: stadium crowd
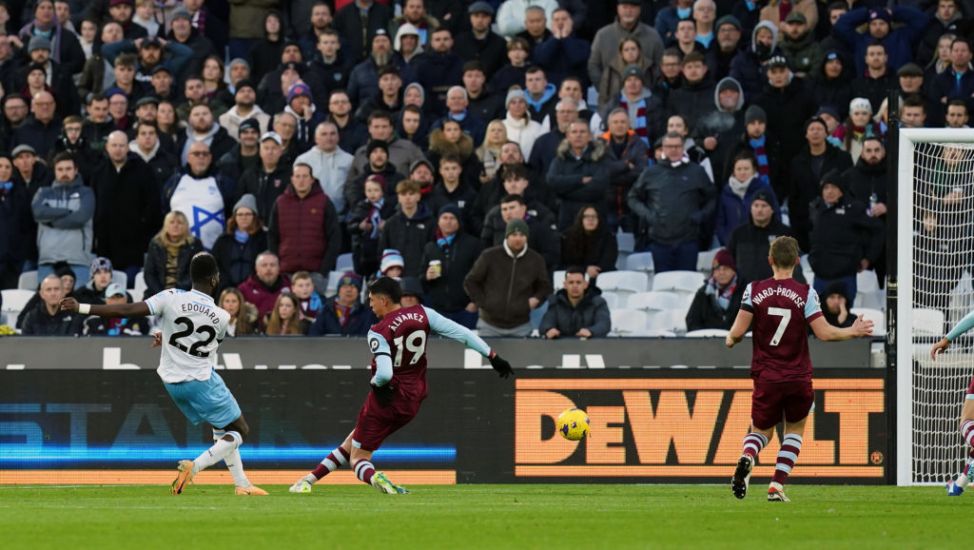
x,y
471,148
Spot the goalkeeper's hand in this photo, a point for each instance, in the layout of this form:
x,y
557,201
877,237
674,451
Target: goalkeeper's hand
x,y
501,365
940,346
384,394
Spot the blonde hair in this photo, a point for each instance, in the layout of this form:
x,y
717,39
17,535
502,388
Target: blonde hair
x,y
784,252
163,238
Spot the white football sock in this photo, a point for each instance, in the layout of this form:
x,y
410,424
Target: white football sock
x,y
219,451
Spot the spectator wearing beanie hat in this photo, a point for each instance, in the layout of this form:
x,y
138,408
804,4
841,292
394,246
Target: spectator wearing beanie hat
x,y
344,314
716,303
446,261
836,305
378,163
237,249
244,107
301,104
392,264
899,42
245,155
506,283
93,292
520,128
815,159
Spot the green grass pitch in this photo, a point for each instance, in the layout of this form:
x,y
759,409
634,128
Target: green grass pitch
x,y
482,516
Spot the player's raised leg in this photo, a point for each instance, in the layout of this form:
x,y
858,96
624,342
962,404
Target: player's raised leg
x,y
335,460
366,473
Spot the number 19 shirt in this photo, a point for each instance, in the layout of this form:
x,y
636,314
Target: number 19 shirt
x,y
782,309
192,329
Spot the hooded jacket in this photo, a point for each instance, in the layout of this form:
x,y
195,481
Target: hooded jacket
x,y
544,105
216,138
501,282
566,175
746,66
836,92
591,312
719,120
64,213
230,121
672,203
402,153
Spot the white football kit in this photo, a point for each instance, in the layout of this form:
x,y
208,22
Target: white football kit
x,y
192,328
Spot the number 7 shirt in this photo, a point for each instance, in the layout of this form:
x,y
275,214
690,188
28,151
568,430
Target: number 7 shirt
x,y
782,310
192,328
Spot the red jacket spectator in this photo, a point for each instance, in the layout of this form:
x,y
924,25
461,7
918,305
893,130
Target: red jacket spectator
x,y
265,285
304,230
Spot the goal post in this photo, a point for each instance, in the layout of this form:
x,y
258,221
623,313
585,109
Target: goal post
x,y
934,188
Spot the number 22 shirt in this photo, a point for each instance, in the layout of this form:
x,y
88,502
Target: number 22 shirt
x,y
782,309
192,329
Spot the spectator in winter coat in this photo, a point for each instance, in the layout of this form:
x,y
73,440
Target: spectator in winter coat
x,y
589,243
243,315
696,96
452,189
344,314
876,80
409,229
857,128
716,303
832,84
93,292
576,310
776,9
310,303
202,193
127,210
605,45
303,229
803,52
285,319
734,203
359,23
446,262
543,235
244,107
629,156
563,54
401,153
271,177
47,319
788,105
521,128
377,152
147,147
64,213
899,43
267,283
363,81
672,201
507,282
728,44
749,243
169,255
514,72
480,43
645,110
748,65
63,43
613,75
40,130
669,16
365,221
245,156
16,222
300,104
540,94
236,250
203,129
725,120
844,240
329,164
438,69
579,174
817,158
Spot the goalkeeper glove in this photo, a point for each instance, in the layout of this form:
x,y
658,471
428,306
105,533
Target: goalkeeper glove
x,y
501,365
384,394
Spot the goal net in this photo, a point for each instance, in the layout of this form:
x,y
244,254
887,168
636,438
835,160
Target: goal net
x,y
935,229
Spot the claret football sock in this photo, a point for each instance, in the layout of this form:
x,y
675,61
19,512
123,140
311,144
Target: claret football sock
x,y
791,446
335,460
753,443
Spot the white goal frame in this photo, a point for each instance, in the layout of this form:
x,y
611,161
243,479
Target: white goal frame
x,y
903,322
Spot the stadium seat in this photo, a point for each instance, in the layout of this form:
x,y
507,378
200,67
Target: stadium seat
x,y
641,261
806,265
14,301
344,263
558,280
874,315
333,277
626,242
653,301
928,322
868,293
707,333
629,322
621,260
685,282
27,280
705,261
613,300
659,334
673,320
139,288
623,282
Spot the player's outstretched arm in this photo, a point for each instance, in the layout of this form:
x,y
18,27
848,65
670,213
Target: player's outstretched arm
x,y
824,331
739,329
965,324
139,309
459,333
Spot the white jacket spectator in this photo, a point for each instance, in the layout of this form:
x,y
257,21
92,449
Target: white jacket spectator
x,y
329,163
520,128
510,16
